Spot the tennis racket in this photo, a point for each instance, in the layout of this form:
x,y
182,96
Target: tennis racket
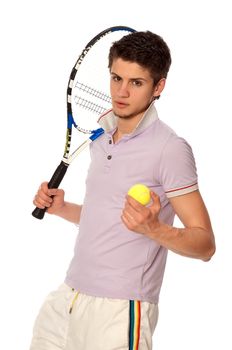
x,y
88,97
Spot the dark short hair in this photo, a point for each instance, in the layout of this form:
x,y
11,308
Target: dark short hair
x,y
146,49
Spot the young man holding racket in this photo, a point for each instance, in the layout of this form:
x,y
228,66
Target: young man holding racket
x,y
110,296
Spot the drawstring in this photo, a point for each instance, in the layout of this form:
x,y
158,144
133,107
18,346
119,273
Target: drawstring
x,y
73,302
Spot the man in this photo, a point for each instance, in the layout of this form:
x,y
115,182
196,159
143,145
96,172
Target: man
x,y
110,296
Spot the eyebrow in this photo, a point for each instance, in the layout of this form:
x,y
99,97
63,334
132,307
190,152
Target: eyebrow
x,y
112,73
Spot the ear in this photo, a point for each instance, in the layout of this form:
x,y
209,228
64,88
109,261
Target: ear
x,y
159,87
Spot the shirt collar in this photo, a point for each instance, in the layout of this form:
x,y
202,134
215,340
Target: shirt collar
x,y
108,121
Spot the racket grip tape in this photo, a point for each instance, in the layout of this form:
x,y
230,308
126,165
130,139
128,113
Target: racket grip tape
x,y
54,182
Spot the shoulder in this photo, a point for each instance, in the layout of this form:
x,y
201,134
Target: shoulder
x,y
161,135
177,166
176,147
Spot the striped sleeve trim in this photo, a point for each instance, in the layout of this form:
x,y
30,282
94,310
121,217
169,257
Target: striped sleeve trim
x,y
181,190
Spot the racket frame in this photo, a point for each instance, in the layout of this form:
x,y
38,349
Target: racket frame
x,y
60,171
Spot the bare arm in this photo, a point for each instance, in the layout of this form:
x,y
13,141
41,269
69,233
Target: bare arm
x,y
70,212
195,240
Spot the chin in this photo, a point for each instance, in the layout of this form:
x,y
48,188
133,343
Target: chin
x,y
119,113
123,116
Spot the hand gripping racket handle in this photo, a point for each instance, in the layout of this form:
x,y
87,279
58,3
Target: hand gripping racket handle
x,y
55,181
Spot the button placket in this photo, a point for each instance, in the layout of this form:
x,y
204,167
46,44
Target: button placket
x,y
109,156
109,150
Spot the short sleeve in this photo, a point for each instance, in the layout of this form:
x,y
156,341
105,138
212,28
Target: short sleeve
x,y
178,173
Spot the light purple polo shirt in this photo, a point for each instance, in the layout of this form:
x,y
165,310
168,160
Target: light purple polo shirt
x,y
109,260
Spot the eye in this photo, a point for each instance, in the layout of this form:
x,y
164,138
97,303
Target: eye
x,y
137,83
115,78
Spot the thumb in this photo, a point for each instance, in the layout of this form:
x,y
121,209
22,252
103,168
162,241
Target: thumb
x,y
52,191
156,205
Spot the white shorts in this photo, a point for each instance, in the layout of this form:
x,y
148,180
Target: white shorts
x,y
70,320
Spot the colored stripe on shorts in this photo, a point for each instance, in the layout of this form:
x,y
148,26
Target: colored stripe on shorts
x,y
134,329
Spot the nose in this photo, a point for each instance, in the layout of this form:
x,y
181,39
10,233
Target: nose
x,y
123,90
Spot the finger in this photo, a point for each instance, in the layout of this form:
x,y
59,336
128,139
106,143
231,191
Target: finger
x,y
130,209
42,196
44,187
37,204
53,191
155,197
41,203
156,205
49,191
127,221
135,204
133,215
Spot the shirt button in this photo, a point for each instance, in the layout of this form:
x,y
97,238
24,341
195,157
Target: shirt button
x,y
109,157
110,141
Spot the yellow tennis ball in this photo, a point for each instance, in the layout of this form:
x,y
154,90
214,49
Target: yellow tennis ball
x,y
140,193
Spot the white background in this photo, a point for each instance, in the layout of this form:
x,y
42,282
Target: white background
x,y
40,41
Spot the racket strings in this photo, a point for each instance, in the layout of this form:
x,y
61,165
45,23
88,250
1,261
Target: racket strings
x,y
91,106
96,93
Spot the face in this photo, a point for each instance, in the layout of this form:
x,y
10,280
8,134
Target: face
x,y
132,88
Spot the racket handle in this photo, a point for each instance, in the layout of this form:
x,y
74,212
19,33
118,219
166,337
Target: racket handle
x,y
55,181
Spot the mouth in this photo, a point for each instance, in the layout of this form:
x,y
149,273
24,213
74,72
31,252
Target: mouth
x,y
120,104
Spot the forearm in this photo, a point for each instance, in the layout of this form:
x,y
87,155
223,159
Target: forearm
x,y
194,242
70,212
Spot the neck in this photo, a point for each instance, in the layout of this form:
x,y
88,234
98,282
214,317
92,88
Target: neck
x,y
126,126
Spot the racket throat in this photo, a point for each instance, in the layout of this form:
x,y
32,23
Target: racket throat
x,y
73,155
95,134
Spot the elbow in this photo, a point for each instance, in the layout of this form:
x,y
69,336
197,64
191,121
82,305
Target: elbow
x,y
209,252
